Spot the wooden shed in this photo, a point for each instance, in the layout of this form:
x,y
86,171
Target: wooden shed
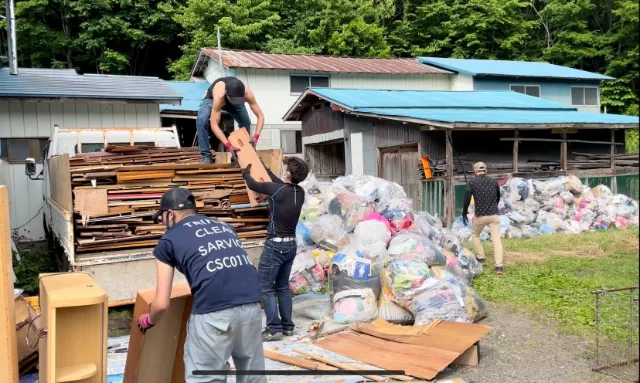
x,y
387,133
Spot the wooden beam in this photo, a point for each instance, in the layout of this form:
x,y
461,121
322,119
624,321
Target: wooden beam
x,y
515,151
563,152
449,199
8,340
613,149
556,140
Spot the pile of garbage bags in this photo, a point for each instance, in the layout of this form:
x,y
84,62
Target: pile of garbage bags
x,y
361,240
562,204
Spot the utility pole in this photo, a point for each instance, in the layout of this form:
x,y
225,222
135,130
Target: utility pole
x,y
11,28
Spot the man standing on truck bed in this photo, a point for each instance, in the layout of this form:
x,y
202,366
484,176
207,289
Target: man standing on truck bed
x,y
225,318
285,201
228,94
486,195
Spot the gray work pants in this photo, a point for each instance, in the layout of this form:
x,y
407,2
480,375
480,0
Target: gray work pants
x,y
213,338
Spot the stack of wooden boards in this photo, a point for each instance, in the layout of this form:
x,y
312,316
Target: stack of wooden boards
x,y
116,193
596,161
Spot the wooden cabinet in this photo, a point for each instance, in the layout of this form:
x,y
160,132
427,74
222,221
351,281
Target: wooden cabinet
x,y
74,312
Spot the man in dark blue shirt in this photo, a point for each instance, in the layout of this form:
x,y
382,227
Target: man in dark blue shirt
x,y
286,198
226,317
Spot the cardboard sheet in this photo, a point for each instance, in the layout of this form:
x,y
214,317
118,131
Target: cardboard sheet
x,y
247,155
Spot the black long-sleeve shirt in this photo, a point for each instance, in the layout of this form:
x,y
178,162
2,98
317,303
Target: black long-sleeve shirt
x,y
285,203
486,195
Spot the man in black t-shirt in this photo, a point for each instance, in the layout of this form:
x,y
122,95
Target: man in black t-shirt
x,y
225,318
486,196
286,198
228,94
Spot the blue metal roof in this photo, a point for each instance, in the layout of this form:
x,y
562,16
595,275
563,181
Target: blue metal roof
x,y
449,108
192,94
66,83
510,68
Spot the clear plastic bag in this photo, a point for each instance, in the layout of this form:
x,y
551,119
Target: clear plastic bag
x,y
328,232
387,308
411,246
427,227
438,300
470,265
348,206
406,278
572,184
303,236
475,307
399,219
351,306
311,307
371,231
450,241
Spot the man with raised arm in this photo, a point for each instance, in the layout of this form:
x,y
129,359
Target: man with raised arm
x,y
228,94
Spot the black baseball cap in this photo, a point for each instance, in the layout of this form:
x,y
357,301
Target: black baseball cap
x,y
175,199
235,91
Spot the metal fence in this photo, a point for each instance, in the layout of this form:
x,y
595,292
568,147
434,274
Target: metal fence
x,y
617,333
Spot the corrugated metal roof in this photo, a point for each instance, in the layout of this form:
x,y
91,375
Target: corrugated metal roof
x,y
66,83
372,98
511,68
451,108
192,94
315,63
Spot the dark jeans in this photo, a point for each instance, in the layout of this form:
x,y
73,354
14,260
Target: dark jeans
x,y
274,269
203,122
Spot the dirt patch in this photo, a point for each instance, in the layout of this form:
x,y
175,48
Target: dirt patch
x,y
520,349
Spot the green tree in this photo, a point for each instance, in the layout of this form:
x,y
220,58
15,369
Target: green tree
x,y
243,24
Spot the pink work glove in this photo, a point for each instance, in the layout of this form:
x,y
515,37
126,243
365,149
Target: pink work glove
x,y
254,140
230,148
144,323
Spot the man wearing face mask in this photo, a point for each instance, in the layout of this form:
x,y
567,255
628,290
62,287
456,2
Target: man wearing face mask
x,y
228,94
226,318
286,198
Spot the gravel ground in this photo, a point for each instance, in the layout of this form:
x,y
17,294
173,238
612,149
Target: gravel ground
x,y
520,349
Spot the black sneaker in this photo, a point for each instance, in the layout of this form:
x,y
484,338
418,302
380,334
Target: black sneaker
x,y
270,336
499,270
288,332
206,160
482,261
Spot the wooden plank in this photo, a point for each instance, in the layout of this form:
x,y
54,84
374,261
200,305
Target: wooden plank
x,y
563,152
90,201
521,139
154,357
449,198
298,362
613,149
9,344
144,175
247,155
515,151
417,361
173,167
222,158
334,363
61,183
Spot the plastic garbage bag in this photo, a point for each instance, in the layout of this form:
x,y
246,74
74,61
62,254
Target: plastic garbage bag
x,y
348,206
308,280
513,232
311,307
601,191
405,278
388,191
438,300
450,241
572,184
303,236
370,231
505,223
328,232
470,265
529,231
360,261
363,186
454,267
426,227
408,245
322,257
387,308
359,305
399,219
405,204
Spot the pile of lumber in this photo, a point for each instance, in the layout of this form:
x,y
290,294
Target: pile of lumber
x,y
116,193
597,161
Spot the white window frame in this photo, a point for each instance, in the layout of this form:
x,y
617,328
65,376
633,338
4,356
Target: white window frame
x,y
597,88
296,131
525,89
292,93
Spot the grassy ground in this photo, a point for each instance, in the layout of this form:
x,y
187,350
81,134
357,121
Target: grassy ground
x,y
553,276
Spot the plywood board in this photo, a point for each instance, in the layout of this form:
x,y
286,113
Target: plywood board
x,y
61,183
91,201
452,336
272,160
247,155
8,341
417,361
157,356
